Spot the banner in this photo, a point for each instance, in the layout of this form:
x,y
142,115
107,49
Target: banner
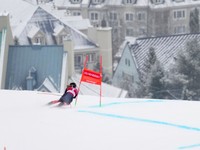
x,y
92,77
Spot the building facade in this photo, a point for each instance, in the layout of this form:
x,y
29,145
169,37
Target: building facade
x,y
136,18
135,52
5,40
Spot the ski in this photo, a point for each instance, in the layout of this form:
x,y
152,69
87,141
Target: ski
x,y
59,104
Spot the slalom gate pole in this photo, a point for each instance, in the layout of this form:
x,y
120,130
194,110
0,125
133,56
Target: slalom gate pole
x,y
100,70
78,92
85,63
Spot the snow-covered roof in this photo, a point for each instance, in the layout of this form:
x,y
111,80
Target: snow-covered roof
x,y
47,23
33,31
77,22
58,29
130,40
49,85
21,16
92,89
120,3
166,47
19,11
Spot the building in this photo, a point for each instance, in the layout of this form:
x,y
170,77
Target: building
x,y
136,18
5,40
134,54
45,25
40,67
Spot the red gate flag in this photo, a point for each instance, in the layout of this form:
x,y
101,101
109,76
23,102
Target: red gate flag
x,y
91,76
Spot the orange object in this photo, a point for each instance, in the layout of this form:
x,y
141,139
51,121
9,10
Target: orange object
x,y
91,76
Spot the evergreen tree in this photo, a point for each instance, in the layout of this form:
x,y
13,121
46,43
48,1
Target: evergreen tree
x,y
151,84
194,21
185,74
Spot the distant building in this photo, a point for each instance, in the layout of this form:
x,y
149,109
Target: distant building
x,y
44,25
132,57
137,18
40,67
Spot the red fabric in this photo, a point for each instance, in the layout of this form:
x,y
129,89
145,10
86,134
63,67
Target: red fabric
x,y
91,76
72,90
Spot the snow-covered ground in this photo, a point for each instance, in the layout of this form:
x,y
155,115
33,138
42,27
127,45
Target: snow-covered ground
x,y
27,123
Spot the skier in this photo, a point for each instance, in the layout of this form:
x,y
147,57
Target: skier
x,y
70,93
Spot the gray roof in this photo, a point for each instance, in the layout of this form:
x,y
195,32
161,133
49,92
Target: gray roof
x,y
45,60
166,47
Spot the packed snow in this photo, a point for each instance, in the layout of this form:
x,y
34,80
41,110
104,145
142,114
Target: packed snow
x,y
28,123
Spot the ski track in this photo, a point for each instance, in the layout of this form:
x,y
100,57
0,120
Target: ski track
x,y
142,119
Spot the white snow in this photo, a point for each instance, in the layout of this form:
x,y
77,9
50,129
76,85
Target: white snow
x,y
27,123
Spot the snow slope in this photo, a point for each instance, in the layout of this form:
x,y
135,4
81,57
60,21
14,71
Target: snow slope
x,y
27,123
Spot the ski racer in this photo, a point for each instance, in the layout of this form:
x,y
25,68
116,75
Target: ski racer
x,y
70,93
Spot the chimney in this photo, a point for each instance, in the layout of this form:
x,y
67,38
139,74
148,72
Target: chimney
x,y
104,39
68,61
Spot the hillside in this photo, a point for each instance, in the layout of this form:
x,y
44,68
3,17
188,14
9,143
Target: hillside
x,y
27,123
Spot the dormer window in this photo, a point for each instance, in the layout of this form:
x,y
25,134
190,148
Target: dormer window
x,y
60,33
36,36
76,1
129,1
97,1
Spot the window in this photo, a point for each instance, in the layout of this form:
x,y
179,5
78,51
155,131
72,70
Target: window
x,y
96,1
129,1
129,16
141,16
158,1
113,16
91,57
179,0
61,38
94,16
129,32
76,1
179,14
179,29
76,13
128,77
38,40
78,61
127,62
142,31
